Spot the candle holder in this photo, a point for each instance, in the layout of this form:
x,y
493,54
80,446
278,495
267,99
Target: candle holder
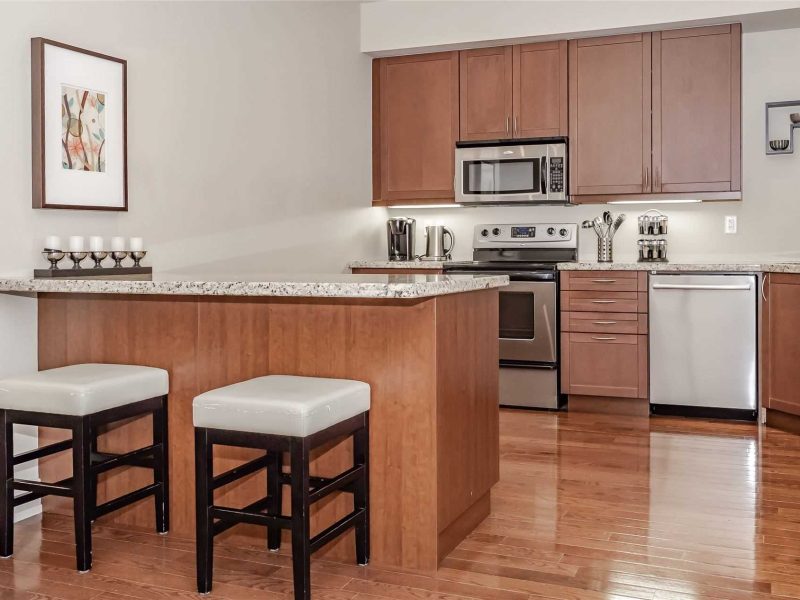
x,y
76,258
98,256
54,256
118,256
137,256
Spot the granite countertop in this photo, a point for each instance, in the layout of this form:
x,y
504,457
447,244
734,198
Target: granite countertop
x,y
721,264
305,285
397,264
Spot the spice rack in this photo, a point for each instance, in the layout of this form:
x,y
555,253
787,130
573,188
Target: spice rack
x,y
653,248
771,106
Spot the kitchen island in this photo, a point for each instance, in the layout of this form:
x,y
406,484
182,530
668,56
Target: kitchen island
x,y
426,344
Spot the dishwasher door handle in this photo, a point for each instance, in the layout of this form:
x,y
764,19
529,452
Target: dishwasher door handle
x,y
678,286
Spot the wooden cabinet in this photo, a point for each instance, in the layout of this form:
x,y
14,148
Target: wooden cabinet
x,y
780,348
415,127
604,335
656,113
609,106
486,93
697,109
514,91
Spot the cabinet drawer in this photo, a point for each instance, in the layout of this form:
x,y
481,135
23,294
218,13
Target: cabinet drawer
x,y
604,322
604,364
601,301
605,281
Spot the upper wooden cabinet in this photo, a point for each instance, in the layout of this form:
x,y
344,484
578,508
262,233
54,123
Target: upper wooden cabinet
x,y
414,127
656,113
609,106
514,91
697,110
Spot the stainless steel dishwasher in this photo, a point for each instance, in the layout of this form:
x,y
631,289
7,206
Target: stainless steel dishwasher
x,y
703,345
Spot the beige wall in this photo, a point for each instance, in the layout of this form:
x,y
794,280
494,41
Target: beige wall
x,y
249,132
771,184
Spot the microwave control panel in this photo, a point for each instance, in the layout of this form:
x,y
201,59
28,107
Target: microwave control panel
x,y
557,174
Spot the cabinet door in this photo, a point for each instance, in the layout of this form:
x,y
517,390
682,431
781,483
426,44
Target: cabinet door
x,y
486,104
609,115
417,120
697,109
782,385
598,364
540,90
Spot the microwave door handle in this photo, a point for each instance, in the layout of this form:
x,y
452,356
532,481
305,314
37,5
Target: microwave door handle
x,y
543,175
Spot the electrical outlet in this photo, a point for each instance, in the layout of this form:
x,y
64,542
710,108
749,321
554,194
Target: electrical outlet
x,y
730,224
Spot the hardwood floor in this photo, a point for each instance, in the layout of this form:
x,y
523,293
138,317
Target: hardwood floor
x,y
588,507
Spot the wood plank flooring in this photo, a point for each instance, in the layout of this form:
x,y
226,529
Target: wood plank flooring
x,y
588,507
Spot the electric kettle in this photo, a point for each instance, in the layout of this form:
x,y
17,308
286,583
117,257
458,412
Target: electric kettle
x,y
435,247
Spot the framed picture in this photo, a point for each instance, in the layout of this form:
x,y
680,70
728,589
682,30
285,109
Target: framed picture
x,y
79,116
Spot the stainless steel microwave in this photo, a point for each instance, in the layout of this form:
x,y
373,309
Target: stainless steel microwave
x,y
512,172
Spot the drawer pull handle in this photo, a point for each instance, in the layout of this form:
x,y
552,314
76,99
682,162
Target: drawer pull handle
x,y
604,301
603,339
604,281
604,322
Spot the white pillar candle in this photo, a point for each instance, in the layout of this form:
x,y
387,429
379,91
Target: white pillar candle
x,y
76,243
117,244
136,244
52,242
96,243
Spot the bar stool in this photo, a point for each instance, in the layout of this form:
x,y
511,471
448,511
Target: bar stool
x,y
83,398
281,413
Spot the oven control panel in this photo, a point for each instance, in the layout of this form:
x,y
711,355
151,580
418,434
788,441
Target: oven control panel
x,y
526,235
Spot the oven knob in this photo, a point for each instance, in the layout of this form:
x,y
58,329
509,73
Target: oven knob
x,y
485,232
551,231
563,232
496,231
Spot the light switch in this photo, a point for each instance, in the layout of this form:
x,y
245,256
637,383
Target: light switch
x,y
730,224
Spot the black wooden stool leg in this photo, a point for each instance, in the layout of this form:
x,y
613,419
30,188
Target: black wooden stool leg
x,y
161,467
93,449
6,491
301,523
361,495
204,490
275,494
82,490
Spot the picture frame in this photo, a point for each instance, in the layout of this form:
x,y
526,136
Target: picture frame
x,y
79,113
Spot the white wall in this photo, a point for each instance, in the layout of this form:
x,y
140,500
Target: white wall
x,y
249,132
771,184
392,28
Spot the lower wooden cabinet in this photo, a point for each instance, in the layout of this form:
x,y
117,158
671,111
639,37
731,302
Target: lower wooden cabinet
x,y
604,364
780,346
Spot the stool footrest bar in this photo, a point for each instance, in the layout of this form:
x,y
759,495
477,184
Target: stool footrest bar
x,y
256,507
336,483
143,457
45,489
42,452
238,472
338,528
31,495
125,500
238,515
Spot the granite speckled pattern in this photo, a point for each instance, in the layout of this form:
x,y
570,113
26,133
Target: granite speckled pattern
x,y
396,264
668,266
306,285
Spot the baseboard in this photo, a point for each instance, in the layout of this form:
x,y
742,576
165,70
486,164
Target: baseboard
x,y
609,405
27,511
783,421
463,525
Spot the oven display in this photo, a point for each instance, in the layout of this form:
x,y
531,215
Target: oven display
x,y
523,232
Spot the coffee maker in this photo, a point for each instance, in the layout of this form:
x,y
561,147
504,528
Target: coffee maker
x,y
400,236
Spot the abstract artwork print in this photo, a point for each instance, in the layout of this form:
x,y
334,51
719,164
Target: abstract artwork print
x,y
83,129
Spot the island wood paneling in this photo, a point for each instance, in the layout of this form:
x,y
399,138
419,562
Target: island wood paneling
x,y
411,352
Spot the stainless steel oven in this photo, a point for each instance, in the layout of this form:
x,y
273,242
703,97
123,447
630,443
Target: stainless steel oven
x,y
528,306
511,172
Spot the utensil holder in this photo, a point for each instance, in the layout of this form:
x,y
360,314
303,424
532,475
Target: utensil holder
x,y
605,250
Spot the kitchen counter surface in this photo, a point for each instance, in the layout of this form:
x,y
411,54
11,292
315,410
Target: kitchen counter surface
x,y
397,264
306,285
718,265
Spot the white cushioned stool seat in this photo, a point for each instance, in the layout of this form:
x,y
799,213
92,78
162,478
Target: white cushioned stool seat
x,y
281,405
82,390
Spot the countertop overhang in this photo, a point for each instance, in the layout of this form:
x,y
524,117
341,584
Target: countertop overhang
x,y
280,285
